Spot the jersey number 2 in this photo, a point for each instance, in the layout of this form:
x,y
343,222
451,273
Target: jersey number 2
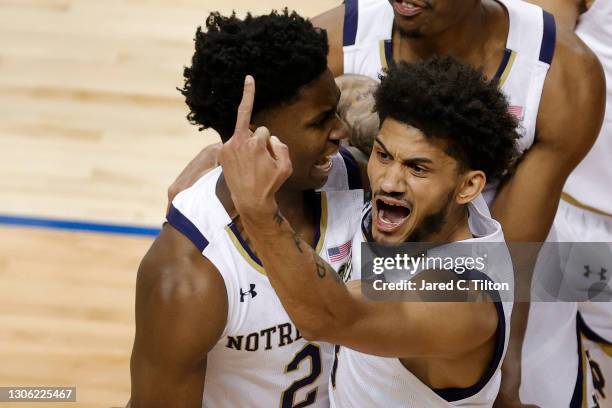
x,y
288,397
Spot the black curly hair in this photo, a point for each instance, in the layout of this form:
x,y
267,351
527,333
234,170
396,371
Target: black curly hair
x,y
281,50
452,101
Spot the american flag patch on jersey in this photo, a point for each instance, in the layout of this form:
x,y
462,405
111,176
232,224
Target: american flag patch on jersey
x,y
516,111
340,252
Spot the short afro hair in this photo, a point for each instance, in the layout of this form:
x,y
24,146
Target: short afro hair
x,y
454,102
281,50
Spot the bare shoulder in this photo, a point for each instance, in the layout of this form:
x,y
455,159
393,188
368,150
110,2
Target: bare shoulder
x,y
333,22
566,12
181,309
573,99
179,291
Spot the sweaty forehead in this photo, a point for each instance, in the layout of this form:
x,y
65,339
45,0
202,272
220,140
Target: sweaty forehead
x,y
406,142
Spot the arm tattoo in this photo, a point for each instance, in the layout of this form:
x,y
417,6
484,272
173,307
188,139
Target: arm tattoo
x,y
298,242
323,268
278,218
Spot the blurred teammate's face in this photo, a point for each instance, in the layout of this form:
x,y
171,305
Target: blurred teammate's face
x,y
311,129
414,184
420,18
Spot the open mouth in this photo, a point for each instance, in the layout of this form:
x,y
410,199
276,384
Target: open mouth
x,y
408,8
390,215
324,164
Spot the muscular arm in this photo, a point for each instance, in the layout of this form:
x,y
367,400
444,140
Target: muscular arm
x,y
181,308
569,119
324,308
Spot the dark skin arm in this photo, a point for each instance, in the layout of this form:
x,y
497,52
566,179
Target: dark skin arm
x,y
181,309
569,120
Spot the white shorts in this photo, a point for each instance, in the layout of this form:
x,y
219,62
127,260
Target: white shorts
x,y
589,268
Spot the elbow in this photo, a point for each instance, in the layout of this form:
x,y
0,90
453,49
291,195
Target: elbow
x,y
314,324
314,327
322,326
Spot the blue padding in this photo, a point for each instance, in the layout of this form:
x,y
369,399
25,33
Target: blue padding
x,y
352,170
186,227
549,38
351,16
503,65
456,394
72,225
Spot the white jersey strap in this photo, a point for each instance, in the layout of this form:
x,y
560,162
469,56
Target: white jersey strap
x,y
529,22
198,222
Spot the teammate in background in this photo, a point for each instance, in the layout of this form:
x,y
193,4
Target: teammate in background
x,y
585,210
356,108
210,330
444,132
556,88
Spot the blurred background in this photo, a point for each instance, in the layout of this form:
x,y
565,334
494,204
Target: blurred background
x,y
92,132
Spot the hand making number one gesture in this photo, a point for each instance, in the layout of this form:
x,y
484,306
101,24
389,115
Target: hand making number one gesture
x,y
255,164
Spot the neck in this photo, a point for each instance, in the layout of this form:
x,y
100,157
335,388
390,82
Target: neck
x,y
294,206
457,227
464,40
291,203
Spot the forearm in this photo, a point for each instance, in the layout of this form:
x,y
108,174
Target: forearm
x,y
324,308
312,293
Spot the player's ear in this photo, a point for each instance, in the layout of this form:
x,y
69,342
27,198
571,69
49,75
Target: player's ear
x,y
472,185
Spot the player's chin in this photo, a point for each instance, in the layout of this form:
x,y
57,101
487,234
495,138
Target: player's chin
x,y
317,182
389,238
318,176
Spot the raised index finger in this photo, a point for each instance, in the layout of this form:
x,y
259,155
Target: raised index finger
x,y
243,119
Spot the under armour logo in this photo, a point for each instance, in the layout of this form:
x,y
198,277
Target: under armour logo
x,y
251,292
588,272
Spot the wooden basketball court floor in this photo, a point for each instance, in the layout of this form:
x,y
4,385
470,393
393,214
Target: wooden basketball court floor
x,y
92,131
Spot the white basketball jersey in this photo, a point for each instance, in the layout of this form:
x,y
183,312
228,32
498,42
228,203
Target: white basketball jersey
x,y
261,360
368,27
364,380
344,174
590,181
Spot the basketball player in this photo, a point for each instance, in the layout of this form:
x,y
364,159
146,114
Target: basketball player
x,y
444,132
210,330
585,210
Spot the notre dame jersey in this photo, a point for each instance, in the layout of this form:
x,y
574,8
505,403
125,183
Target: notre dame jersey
x,y
365,380
261,360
